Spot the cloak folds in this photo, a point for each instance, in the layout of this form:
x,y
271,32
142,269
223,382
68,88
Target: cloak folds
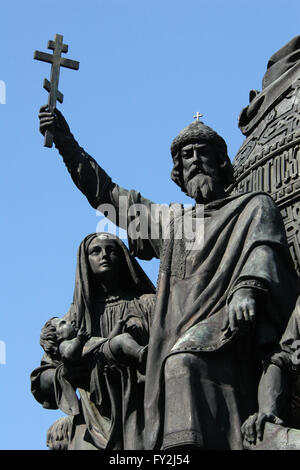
x,y
244,246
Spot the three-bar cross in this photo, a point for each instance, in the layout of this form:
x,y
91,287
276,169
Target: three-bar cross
x,y
51,86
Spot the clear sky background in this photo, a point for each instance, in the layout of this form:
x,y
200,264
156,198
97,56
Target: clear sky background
x,y
146,67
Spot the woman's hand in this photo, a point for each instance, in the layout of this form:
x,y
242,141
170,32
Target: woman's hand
x,y
117,329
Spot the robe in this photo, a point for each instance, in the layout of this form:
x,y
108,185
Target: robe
x,y
110,412
201,383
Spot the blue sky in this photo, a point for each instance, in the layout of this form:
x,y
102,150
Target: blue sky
x,y
146,67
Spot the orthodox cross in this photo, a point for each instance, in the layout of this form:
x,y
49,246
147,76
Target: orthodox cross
x,y
51,86
197,116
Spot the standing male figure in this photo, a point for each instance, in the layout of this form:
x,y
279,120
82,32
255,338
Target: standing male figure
x,y
220,306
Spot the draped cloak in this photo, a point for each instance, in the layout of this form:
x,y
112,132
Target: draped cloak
x,y
244,246
110,412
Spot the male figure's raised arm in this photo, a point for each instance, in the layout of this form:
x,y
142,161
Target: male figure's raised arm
x,y
86,173
99,188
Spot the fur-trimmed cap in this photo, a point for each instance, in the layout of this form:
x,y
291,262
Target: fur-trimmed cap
x,y
194,132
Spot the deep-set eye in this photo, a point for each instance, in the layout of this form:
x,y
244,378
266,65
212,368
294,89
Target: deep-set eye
x,y
187,153
95,251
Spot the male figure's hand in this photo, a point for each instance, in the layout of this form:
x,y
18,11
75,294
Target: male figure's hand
x,y
241,311
53,121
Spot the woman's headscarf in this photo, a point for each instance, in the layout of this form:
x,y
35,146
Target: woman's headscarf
x,y
134,279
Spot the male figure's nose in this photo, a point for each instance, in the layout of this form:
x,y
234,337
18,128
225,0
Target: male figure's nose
x,y
196,157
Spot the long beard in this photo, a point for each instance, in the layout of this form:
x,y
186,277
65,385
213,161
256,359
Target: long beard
x,y
203,188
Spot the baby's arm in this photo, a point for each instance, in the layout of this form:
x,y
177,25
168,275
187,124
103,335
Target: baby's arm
x,y
71,350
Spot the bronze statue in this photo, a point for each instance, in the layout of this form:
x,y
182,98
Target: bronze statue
x,y
220,306
269,158
278,393
58,435
99,348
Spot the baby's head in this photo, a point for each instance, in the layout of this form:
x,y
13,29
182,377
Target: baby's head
x,y
54,332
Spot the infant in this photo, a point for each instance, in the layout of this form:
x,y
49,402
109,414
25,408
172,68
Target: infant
x,y
62,341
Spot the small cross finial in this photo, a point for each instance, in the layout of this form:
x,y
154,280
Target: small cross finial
x,y
197,116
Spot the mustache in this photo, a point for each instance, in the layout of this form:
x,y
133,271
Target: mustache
x,y
201,174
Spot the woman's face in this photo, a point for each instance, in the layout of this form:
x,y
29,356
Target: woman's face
x,y
104,256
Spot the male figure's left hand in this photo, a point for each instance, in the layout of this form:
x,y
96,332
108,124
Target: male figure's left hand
x,y
241,311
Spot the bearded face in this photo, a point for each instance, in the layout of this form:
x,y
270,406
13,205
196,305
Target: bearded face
x,y
202,188
201,172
